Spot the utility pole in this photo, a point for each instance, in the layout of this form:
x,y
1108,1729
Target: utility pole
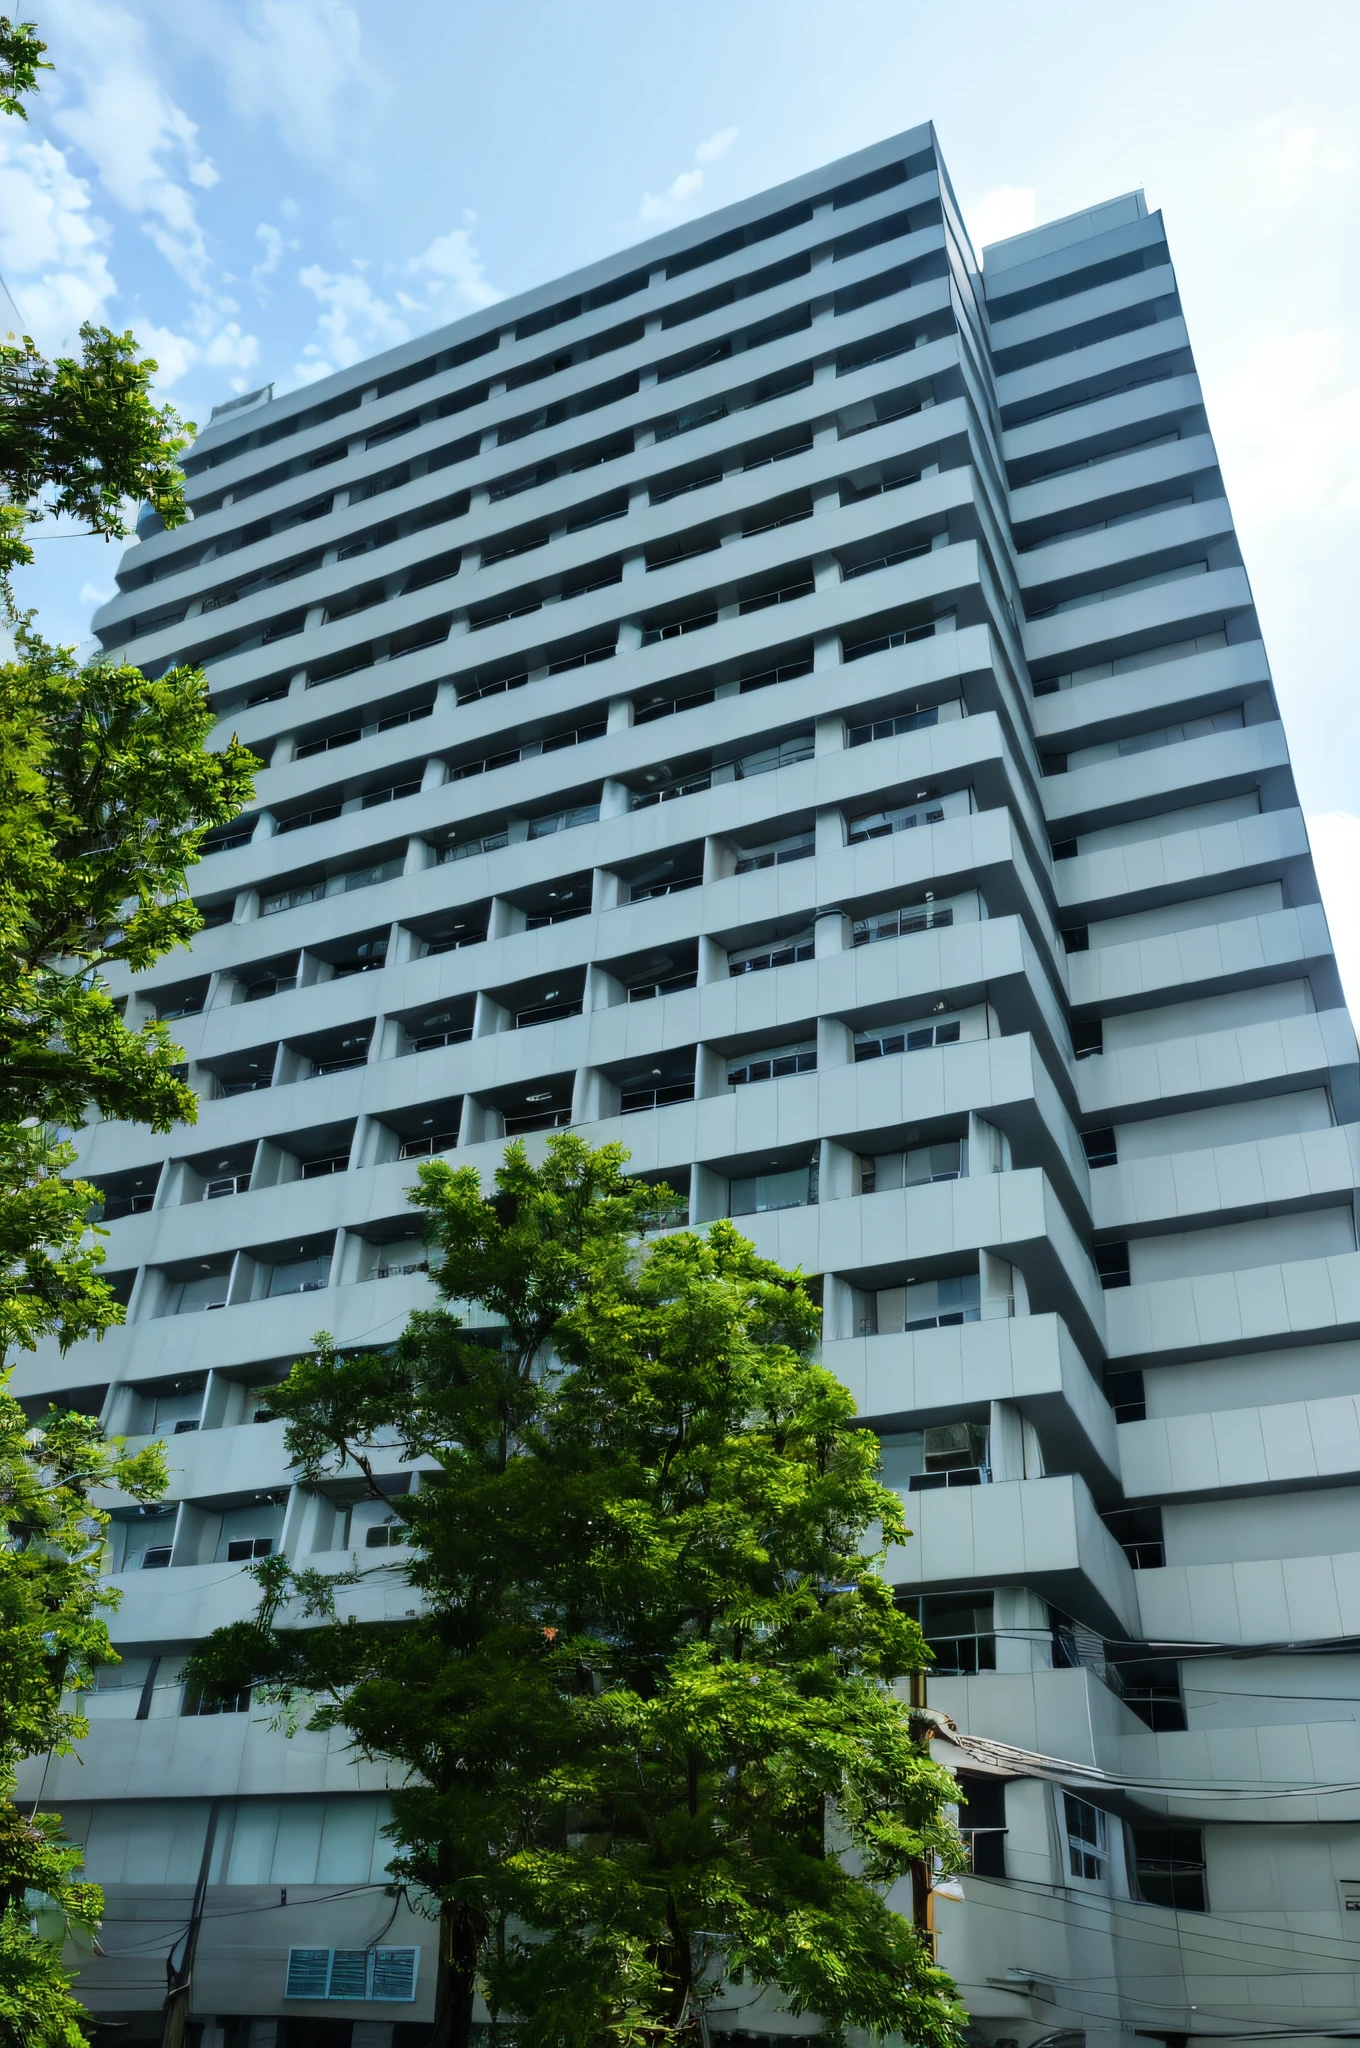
x,y
179,1977
922,1894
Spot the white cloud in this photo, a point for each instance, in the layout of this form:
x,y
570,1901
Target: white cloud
x,y
95,594
709,152
292,62
175,354
1288,426
1335,838
274,246
312,366
141,143
452,259
674,203
355,320
231,348
1006,210
1287,160
52,247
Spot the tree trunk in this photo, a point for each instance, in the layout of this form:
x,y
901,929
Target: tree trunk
x,y
456,1977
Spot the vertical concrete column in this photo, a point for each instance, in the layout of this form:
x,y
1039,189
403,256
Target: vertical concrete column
x,y
838,1309
604,991
139,1294
1006,1442
988,1148
707,1195
838,1172
606,889
501,919
712,960
593,1096
833,932
835,1044
997,1287
488,1016
1023,1629
830,829
719,860
710,1071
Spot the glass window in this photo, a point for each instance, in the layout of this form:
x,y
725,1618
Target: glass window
x,y
783,1059
1087,1838
958,1627
1170,1866
950,1454
756,1192
300,1276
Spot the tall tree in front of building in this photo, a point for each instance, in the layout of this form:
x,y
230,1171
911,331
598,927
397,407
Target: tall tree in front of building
x,y
53,1637
106,791
649,1705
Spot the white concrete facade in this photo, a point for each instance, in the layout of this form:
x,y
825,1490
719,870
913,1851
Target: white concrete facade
x,y
791,701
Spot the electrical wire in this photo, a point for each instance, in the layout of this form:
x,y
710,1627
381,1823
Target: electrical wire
x,y
1030,1763
243,1912
1330,1949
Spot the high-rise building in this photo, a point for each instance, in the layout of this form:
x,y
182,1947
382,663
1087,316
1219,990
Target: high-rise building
x,y
788,698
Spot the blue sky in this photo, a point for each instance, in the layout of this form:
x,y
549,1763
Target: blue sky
x,y
270,188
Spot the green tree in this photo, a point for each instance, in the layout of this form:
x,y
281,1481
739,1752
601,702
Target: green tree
x,y
649,1705
52,1638
80,436
106,791
21,59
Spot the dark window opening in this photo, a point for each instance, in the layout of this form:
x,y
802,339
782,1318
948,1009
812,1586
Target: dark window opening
x,y
1170,1867
1124,1392
982,1823
1138,1532
1087,1037
1112,1264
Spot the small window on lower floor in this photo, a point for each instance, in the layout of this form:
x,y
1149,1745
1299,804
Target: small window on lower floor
x,y
241,1549
197,1702
1170,1867
1087,1838
982,1822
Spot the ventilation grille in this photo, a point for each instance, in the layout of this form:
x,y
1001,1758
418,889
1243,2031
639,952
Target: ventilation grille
x,y
355,1974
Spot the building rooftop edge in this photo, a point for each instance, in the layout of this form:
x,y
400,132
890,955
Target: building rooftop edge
x,y
1013,250
655,248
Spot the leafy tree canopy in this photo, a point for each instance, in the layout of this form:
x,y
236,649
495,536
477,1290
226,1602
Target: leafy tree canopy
x,y
52,1638
80,435
106,791
647,1711
21,59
